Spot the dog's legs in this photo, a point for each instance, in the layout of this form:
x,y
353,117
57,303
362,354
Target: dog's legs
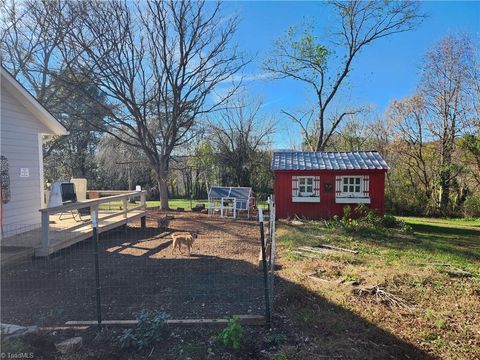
x,y
174,245
189,249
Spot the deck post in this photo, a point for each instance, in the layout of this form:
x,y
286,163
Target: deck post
x,y
143,200
94,216
45,233
125,208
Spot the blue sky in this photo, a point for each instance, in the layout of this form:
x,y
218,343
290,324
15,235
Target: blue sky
x,y
385,71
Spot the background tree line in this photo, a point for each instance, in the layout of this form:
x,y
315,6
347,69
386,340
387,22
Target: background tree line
x,y
136,84
130,78
430,139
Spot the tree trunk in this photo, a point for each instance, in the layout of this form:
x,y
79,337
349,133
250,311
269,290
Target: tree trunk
x,y
445,178
444,191
163,191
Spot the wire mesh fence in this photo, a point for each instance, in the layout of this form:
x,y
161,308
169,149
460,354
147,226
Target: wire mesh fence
x,y
138,271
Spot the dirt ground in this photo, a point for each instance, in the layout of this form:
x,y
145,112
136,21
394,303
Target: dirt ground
x,y
221,278
138,271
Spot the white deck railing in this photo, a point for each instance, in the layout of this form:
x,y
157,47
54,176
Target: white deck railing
x,y
94,205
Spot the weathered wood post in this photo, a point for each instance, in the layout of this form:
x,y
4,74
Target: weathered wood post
x,y
45,233
125,208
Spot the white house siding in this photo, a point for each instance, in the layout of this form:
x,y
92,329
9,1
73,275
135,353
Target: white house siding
x,y
20,140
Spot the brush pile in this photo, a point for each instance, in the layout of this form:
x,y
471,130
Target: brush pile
x,y
382,296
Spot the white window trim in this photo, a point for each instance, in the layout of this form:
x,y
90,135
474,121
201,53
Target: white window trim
x,y
349,193
306,199
306,194
310,197
352,200
352,197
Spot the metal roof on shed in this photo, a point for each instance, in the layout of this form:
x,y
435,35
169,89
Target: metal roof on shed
x,y
302,160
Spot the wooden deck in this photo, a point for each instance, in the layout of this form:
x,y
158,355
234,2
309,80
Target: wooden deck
x,y
62,230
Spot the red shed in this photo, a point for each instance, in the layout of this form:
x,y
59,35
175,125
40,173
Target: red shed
x,y
321,184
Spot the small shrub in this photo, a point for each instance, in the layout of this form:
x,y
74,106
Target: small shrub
x,y
231,336
128,339
471,206
407,229
275,340
151,328
359,219
389,221
14,345
280,356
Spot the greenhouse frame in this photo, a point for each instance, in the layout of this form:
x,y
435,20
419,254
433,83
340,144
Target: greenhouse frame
x,y
230,201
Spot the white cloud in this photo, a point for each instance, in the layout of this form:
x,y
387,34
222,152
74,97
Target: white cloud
x,y
248,77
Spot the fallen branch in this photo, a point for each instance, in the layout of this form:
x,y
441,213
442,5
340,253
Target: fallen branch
x,y
322,280
338,248
459,273
439,264
311,250
382,296
303,254
296,222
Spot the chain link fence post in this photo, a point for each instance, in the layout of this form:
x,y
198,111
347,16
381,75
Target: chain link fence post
x,y
265,267
273,245
94,217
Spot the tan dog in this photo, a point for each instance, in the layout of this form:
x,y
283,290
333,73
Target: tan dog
x,y
183,238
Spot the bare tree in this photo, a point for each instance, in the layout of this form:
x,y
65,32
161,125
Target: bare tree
x,y
445,88
412,139
239,137
121,163
351,136
157,63
303,57
30,45
32,51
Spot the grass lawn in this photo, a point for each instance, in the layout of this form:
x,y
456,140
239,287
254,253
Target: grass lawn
x,y
185,203
173,204
178,203
444,317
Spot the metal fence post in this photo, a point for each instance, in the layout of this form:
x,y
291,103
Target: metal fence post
x,y
273,246
143,202
94,218
265,269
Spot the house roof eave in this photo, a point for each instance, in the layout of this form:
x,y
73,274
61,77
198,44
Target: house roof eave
x,y
31,103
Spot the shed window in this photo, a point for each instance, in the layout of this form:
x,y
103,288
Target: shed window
x,y
352,185
306,189
305,186
352,189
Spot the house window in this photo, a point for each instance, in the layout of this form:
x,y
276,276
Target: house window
x,y
306,189
305,186
352,189
351,186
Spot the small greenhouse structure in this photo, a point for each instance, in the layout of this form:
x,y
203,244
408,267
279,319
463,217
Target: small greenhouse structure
x,y
230,201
